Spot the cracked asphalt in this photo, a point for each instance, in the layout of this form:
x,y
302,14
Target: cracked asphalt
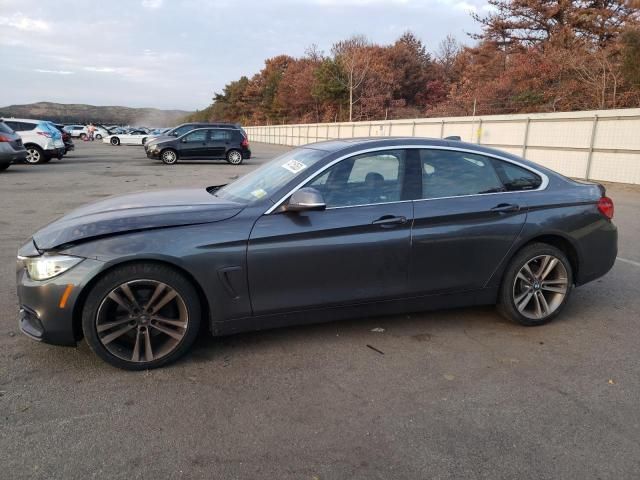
x,y
448,395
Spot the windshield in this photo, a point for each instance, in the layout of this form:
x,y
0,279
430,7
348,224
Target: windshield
x,y
271,177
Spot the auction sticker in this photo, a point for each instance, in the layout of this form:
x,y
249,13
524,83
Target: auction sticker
x,y
259,193
294,166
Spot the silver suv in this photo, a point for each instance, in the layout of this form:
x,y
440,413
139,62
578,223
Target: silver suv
x,y
42,141
11,148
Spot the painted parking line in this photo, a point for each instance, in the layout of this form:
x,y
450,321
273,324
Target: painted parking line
x,y
630,262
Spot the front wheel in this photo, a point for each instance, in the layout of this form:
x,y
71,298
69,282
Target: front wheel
x,y
536,285
169,157
234,157
141,316
4,166
115,141
98,136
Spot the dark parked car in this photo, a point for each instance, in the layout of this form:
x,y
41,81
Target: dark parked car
x,y
183,128
202,144
332,230
11,147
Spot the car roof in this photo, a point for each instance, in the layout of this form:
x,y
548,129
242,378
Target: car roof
x,y
349,145
26,120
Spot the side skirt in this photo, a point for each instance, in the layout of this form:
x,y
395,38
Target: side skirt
x,y
486,296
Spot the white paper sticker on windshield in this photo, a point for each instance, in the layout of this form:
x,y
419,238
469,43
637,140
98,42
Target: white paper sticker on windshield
x,y
294,166
259,193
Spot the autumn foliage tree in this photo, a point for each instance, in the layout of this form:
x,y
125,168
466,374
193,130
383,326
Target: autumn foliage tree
x,y
530,56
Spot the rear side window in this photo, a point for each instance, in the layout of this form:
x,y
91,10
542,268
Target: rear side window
x,y
447,173
196,137
220,135
516,178
24,126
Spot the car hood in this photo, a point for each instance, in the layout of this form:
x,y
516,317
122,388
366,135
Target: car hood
x,y
135,212
161,138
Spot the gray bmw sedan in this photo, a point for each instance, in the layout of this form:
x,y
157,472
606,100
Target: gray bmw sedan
x,y
328,231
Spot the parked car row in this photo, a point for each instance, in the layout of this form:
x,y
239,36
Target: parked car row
x,y
41,139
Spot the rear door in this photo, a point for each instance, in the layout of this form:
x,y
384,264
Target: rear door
x,y
217,143
465,222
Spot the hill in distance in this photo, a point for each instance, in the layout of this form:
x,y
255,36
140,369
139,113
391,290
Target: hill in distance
x,y
108,115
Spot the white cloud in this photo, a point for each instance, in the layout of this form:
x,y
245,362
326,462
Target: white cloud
x,y
55,72
152,4
99,69
22,22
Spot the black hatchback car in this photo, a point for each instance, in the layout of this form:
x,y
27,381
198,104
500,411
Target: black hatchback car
x,y
332,230
202,144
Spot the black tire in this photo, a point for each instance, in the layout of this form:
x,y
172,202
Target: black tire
x,y
144,140
83,136
234,157
4,166
133,273
515,287
35,155
169,156
115,141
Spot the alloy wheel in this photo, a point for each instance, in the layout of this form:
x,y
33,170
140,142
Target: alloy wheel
x,y
235,157
142,321
33,155
540,287
169,157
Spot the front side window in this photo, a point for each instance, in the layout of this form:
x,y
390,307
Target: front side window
x,y
448,173
178,132
365,179
198,136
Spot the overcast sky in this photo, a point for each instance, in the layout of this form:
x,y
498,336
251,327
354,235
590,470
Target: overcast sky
x,y
177,53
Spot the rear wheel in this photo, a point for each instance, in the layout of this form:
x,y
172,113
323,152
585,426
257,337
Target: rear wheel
x,y
98,136
35,155
169,157
234,157
83,136
141,316
115,141
536,285
4,166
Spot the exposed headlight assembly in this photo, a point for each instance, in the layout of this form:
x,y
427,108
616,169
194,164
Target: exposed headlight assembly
x,y
46,266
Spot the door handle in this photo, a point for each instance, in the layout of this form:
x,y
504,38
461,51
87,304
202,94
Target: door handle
x,y
506,208
389,221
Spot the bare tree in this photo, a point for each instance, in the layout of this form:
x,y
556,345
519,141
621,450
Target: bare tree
x,y
448,50
353,58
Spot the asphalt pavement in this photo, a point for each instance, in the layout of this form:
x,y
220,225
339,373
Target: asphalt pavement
x,y
448,395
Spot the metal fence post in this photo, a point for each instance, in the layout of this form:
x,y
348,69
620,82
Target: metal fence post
x,y
413,129
442,129
526,138
479,134
370,125
594,127
353,130
390,127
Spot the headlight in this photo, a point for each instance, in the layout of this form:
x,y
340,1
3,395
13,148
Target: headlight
x,y
45,266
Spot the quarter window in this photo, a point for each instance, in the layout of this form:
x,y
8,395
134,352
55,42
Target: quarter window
x,y
516,178
447,173
362,180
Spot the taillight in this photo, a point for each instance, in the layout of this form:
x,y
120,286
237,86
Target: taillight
x,y
605,205
4,139
245,142
45,134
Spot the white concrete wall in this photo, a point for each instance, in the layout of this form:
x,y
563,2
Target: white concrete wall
x,y
599,145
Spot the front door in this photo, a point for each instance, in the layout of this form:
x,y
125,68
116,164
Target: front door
x,y
356,250
194,144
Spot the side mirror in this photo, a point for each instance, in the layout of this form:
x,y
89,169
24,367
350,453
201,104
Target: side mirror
x,y
306,198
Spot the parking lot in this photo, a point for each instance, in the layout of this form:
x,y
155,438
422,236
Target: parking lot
x,y
453,394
